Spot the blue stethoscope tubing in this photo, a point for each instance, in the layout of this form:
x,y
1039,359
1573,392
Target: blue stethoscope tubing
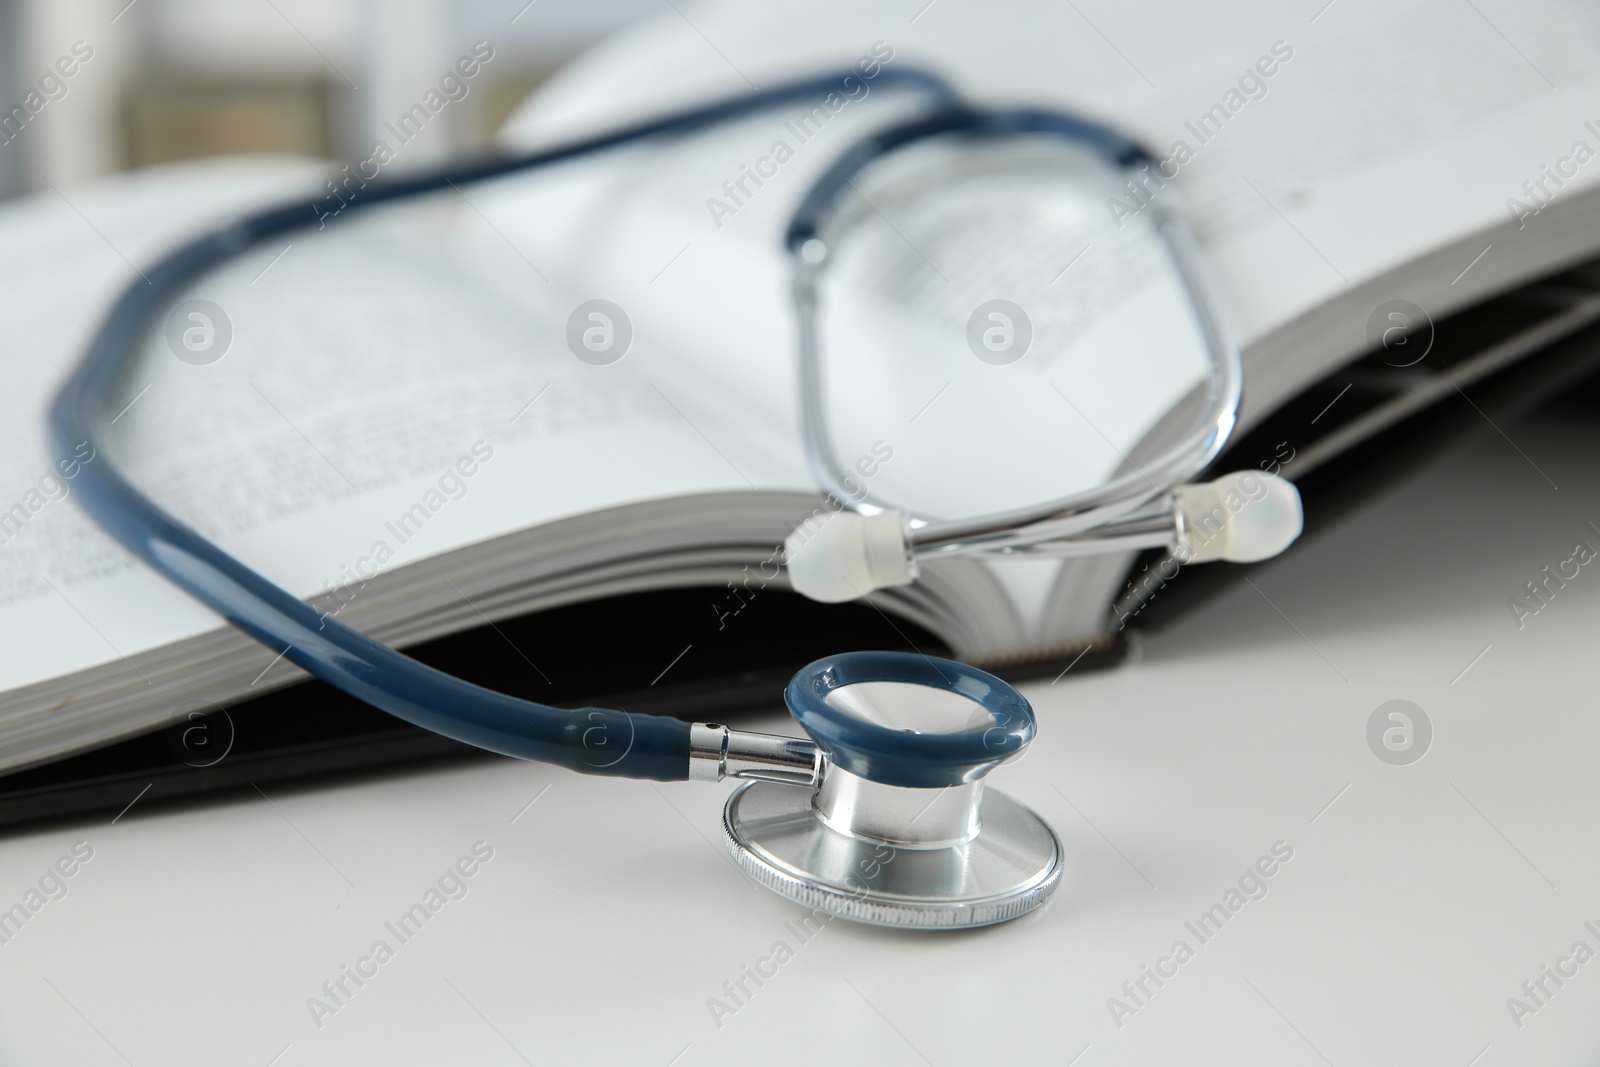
x,y
589,740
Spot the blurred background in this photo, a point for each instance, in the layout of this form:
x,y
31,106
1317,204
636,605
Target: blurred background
x,y
181,79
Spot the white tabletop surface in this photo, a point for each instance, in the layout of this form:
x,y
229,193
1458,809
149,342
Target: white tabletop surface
x,y
1418,900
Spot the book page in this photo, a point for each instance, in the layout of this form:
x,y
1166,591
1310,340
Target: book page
x,y
346,402
66,257
1099,340
1317,146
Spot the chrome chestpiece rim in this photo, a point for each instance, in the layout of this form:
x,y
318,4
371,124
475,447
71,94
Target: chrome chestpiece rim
x,y
900,829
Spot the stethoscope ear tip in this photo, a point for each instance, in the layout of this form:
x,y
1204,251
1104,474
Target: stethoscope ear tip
x,y
845,555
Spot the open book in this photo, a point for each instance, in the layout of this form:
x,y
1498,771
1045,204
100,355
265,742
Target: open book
x,y
399,429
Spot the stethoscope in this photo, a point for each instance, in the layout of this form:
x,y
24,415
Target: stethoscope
x,y
882,815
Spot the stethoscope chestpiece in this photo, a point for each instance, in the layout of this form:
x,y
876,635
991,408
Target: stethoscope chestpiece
x,y
899,829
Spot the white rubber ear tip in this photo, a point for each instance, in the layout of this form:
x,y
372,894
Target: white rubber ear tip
x,y
846,555
1242,517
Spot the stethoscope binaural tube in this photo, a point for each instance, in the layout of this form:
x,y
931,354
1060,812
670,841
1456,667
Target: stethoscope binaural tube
x,y
588,740
1105,507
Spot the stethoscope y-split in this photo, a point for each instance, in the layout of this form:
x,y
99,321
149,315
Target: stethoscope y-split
x,y
881,814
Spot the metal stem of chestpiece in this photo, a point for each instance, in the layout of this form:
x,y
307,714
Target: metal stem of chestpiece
x,y
716,752
845,802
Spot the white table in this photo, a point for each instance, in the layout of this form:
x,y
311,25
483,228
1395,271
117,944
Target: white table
x,y
1418,899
